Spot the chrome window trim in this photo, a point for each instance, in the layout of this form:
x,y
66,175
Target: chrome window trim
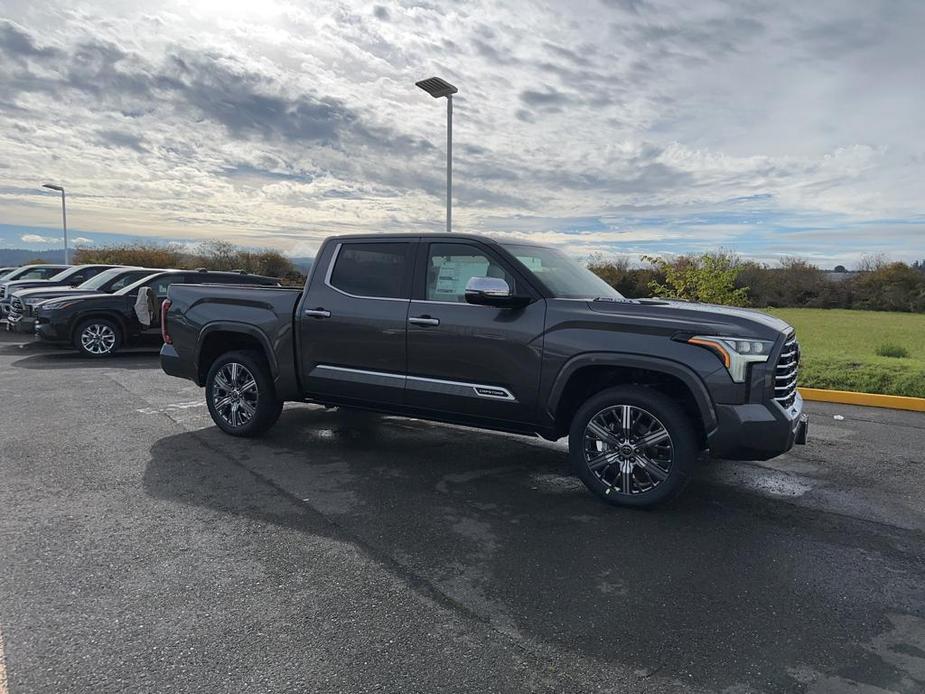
x,y
360,371
476,387
330,271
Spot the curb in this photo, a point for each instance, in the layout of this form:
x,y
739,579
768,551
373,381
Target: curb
x,y
844,397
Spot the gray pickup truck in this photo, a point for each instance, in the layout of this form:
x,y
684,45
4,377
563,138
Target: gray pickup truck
x,y
508,336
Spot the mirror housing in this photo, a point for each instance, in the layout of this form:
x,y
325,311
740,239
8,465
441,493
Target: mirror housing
x,y
493,291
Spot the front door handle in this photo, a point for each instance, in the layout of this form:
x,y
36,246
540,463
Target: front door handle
x,y
424,320
317,313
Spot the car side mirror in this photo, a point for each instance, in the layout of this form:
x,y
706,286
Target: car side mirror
x,y
493,291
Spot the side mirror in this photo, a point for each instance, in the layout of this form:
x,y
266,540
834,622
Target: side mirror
x,y
493,291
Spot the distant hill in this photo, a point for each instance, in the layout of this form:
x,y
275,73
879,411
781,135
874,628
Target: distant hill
x,y
304,264
21,256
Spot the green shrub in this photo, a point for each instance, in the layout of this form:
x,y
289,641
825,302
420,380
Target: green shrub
x,y
892,350
710,278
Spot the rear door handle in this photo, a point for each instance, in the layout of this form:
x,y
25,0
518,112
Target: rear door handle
x,y
424,320
317,313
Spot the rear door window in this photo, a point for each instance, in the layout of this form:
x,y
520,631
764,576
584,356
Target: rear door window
x,y
372,270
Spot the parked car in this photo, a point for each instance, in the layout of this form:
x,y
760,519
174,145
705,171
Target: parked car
x,y
509,336
97,325
4,271
26,272
21,317
71,276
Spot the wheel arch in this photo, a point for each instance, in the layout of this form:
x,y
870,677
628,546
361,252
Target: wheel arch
x,y
112,316
220,337
589,373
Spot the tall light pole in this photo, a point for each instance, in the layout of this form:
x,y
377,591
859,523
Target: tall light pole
x,y
438,88
52,186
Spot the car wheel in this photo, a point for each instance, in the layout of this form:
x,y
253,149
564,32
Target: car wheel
x,y
633,446
97,338
240,394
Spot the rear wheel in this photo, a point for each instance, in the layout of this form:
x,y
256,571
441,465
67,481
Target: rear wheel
x,y
97,338
633,446
240,394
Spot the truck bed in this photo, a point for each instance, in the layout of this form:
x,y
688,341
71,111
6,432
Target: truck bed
x,y
199,313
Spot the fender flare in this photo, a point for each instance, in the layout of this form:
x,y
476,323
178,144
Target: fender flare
x,y
637,361
241,329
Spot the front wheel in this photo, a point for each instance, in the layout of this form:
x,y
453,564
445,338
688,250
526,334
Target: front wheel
x,y
633,446
97,338
240,394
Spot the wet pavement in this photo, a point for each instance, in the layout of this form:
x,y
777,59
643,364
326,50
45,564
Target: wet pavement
x,y
144,550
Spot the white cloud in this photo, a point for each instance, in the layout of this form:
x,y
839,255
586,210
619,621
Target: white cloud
x,y
35,238
277,124
82,241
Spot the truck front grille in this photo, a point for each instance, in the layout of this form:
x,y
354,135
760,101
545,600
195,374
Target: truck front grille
x,y
17,307
785,375
2,292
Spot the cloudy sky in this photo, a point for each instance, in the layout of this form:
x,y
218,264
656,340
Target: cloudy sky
x,y
624,126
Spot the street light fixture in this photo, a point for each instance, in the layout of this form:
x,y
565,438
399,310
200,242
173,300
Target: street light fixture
x,y
52,186
438,88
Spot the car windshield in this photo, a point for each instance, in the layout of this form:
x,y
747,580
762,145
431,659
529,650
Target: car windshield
x,y
99,280
133,287
32,272
67,272
565,278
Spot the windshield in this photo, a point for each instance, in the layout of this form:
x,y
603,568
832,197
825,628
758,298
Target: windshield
x,y
32,272
133,287
565,278
99,280
67,272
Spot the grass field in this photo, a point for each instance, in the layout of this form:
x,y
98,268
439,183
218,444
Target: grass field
x,y
839,349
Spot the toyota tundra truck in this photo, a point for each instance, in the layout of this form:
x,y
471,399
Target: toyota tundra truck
x,y
509,336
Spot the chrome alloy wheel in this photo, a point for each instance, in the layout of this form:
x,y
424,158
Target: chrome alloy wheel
x,y
628,449
234,394
98,338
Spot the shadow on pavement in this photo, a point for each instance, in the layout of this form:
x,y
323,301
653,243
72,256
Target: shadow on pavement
x,y
55,359
719,589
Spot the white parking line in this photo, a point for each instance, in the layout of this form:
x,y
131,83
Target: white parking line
x,y
173,407
3,682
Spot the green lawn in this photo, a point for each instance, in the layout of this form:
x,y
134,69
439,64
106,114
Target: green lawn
x,y
839,349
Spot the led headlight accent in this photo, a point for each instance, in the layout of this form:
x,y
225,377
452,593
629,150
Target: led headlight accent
x,y
736,353
54,303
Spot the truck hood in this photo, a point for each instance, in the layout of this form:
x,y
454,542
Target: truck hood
x,y
705,319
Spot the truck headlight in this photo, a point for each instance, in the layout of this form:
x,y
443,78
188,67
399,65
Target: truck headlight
x,y
55,303
736,353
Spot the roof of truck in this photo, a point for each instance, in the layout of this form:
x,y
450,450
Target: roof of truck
x,y
454,236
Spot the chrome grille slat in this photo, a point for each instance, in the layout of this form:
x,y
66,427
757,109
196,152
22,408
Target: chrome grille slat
x,y
785,373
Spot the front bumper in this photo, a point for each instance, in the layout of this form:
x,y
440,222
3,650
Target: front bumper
x,y
758,431
20,324
50,332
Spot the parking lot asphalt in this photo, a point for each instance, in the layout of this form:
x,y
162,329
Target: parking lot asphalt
x,y
142,550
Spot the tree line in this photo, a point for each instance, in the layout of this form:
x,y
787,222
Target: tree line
x,y
211,255
723,277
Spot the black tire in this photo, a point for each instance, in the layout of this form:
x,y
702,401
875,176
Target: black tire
x,y
632,463
235,416
97,338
